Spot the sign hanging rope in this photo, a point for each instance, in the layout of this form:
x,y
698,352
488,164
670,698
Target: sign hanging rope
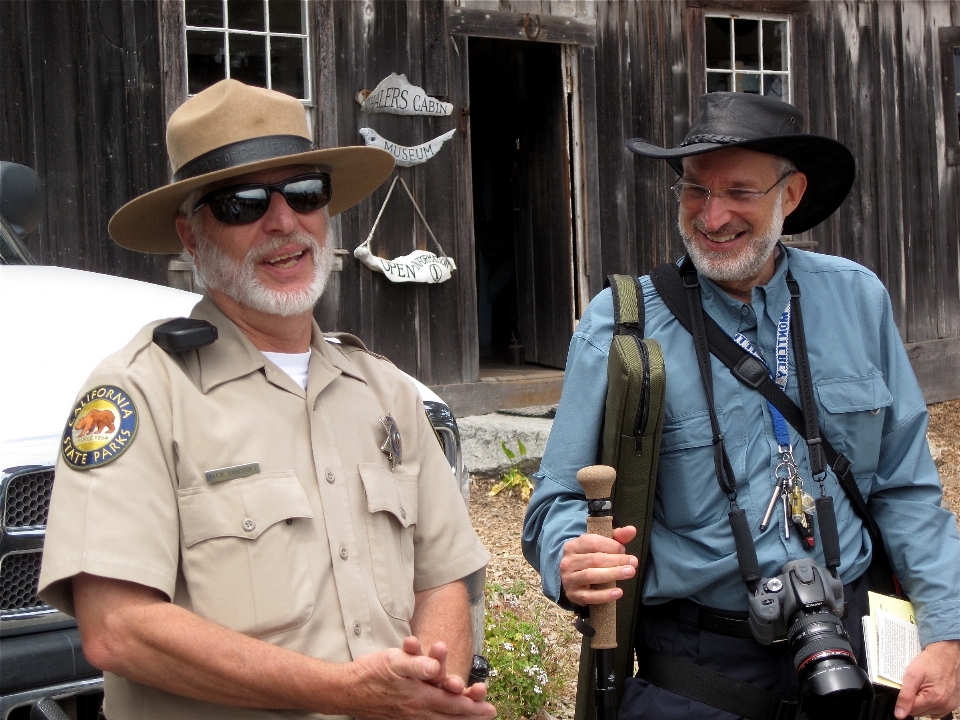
x,y
419,266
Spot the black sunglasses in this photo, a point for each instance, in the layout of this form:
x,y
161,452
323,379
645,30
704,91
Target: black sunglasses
x,y
239,204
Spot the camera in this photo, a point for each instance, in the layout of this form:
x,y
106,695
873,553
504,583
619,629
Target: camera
x,y
804,605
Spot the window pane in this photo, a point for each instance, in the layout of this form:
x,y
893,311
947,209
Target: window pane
x,y
718,82
717,32
286,17
203,13
248,59
748,83
774,45
245,14
286,65
773,86
204,60
747,42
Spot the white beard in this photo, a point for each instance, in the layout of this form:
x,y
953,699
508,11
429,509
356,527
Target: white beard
x,y
238,279
719,266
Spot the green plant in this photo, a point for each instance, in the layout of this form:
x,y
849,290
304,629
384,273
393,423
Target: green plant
x,y
514,479
523,676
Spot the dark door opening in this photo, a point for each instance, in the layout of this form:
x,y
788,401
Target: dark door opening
x,y
521,201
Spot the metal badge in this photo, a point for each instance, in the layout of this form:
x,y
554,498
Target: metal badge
x,y
392,445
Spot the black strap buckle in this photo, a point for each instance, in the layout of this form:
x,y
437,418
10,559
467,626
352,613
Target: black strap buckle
x,y
690,280
750,371
784,710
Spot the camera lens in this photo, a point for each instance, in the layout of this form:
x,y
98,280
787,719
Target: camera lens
x,y
831,682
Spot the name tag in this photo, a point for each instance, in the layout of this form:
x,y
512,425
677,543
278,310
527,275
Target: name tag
x,y
232,473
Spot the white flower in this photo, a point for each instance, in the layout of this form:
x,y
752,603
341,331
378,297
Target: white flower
x,y
508,646
538,690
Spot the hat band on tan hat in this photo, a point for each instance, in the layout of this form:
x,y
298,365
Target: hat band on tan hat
x,y
230,130
244,152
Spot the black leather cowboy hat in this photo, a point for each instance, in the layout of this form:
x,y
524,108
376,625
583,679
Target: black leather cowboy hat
x,y
770,126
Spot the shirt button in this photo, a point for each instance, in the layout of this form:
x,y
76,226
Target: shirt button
x,y
356,629
343,552
249,525
744,311
330,476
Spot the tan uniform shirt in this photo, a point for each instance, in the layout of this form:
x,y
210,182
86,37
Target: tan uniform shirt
x,y
319,548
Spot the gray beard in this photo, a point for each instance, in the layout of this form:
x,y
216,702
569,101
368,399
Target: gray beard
x,y
238,279
718,267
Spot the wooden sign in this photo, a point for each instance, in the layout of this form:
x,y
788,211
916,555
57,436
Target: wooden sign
x,y
396,96
406,156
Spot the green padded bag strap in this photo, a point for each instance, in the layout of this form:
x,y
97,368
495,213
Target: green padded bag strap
x,y
628,313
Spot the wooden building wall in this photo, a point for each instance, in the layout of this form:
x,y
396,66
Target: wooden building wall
x,y
83,101
869,75
79,98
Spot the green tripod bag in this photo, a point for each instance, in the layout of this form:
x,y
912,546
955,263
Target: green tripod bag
x,y
632,425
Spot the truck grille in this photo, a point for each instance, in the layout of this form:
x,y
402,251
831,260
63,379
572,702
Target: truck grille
x,y
28,499
19,580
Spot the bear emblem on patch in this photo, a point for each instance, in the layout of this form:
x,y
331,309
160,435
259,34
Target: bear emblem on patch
x,y
101,426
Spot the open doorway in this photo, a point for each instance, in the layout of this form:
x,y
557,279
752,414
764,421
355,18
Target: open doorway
x,y
522,201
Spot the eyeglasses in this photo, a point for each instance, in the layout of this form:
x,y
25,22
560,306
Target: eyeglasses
x,y
240,204
693,195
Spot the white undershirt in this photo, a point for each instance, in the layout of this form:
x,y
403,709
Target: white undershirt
x,y
293,364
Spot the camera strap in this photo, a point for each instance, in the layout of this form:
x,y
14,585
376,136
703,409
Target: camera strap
x,y
679,287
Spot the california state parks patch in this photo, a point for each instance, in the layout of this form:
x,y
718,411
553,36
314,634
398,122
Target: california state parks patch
x,y
101,426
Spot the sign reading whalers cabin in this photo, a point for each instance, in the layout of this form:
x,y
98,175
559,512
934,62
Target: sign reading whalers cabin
x,y
396,96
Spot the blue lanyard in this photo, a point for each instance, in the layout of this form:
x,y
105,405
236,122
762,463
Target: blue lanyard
x,y
781,375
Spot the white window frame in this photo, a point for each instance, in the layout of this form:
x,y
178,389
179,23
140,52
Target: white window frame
x,y
761,73
226,31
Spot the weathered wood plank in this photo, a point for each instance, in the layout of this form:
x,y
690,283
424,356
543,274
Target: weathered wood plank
x,y
526,26
591,171
435,64
937,366
479,398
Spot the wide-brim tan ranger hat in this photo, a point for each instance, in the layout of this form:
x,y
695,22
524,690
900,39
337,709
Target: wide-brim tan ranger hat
x,y
233,129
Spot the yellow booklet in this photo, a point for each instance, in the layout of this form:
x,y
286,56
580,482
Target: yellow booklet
x,y
891,639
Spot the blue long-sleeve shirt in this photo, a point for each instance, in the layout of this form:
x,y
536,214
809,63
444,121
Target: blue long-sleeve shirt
x,y
869,406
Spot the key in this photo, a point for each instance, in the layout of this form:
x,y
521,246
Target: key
x,y
786,517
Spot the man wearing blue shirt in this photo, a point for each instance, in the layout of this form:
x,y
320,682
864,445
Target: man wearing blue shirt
x,y
748,175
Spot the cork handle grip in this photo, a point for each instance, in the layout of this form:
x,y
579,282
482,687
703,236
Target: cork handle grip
x,y
597,482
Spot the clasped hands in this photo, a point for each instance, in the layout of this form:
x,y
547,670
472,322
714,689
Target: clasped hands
x,y
932,682
408,682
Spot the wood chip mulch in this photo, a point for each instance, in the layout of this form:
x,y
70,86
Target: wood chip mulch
x,y
498,521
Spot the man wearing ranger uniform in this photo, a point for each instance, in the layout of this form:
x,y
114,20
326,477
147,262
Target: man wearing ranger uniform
x,y
269,529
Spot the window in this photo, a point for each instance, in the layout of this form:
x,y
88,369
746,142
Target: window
x,y
747,53
259,42
950,72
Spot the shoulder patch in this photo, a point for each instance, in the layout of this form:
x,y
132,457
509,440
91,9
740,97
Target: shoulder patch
x,y
102,424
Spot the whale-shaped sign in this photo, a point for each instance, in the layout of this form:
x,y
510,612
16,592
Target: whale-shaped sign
x,y
396,96
419,266
406,156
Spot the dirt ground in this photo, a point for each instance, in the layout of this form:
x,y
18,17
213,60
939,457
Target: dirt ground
x,y
499,520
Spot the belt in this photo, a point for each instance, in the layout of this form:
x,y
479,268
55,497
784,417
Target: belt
x,y
703,618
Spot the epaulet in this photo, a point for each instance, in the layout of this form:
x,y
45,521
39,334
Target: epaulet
x,y
352,341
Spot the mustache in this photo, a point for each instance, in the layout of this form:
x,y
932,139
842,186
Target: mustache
x,y
730,228
279,242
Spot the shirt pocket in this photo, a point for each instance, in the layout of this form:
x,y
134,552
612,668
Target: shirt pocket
x,y
854,411
688,495
247,553
391,523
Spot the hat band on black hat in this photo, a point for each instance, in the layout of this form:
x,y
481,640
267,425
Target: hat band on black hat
x,y
723,139
244,152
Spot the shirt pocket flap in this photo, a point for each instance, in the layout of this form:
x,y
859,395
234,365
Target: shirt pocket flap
x,y
392,492
242,510
853,394
686,432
